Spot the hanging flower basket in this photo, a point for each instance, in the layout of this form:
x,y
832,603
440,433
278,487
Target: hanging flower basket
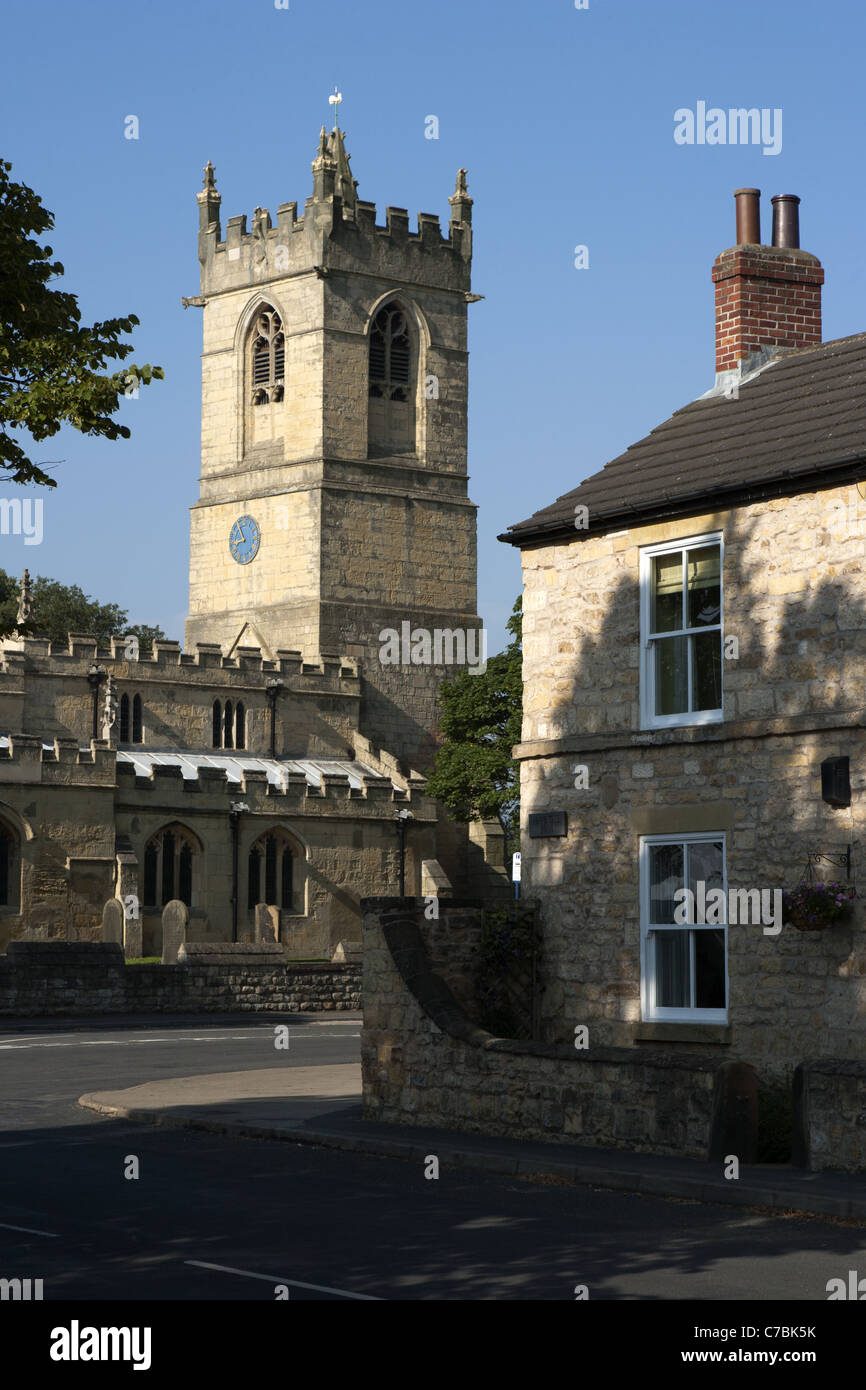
x,y
816,906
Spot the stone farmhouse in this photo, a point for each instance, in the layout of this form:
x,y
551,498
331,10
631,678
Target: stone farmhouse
x,y
695,697
277,759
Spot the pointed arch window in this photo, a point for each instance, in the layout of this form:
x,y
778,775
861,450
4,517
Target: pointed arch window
x,y
267,357
130,719
391,382
10,867
272,875
229,725
169,860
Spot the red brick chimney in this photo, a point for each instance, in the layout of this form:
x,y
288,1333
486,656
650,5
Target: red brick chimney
x,y
767,297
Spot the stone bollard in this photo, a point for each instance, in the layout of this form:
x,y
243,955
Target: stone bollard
x,y
735,1113
267,923
175,916
112,921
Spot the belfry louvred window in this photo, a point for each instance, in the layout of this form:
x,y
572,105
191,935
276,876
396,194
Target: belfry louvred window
x,y
391,392
268,358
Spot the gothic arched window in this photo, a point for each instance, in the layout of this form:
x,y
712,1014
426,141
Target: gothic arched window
x,y
267,357
130,728
228,740
10,867
240,726
391,383
217,724
271,876
168,867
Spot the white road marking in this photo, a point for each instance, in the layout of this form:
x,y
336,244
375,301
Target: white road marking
x,y
333,1023
272,1279
49,1235
115,1042
21,1044
135,1042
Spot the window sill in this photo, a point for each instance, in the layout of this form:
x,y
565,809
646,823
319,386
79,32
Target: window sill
x,y
651,726
712,1034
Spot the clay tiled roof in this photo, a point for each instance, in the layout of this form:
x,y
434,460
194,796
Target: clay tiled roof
x,y
800,422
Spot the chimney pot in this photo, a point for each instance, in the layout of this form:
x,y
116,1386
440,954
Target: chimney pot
x,y
748,216
768,302
786,220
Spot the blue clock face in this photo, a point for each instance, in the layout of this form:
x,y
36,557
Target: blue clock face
x,y
244,539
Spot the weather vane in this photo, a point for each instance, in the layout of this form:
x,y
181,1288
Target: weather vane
x,y
335,102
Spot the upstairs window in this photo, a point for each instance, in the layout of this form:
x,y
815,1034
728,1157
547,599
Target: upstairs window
x,y
240,726
681,633
267,358
130,719
391,383
229,725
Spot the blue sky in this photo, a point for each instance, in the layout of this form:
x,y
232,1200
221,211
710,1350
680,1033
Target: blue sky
x,y
564,119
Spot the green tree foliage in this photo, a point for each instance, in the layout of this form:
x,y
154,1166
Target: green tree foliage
x,y
59,609
52,369
474,773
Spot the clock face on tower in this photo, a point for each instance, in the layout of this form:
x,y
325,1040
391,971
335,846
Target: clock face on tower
x,y
244,539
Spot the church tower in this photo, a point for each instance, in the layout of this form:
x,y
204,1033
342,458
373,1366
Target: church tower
x,y
333,498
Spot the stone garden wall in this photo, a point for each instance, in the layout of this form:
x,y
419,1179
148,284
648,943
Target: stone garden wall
x,y
830,1115
59,978
426,1063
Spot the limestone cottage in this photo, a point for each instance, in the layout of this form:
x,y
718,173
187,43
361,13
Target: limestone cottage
x,y
694,735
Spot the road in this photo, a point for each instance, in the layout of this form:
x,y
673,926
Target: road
x,y
212,1217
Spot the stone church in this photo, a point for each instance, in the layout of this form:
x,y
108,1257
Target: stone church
x,y
277,759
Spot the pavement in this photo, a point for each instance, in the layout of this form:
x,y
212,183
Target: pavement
x,y
320,1106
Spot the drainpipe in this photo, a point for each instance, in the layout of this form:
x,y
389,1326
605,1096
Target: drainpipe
x,y
274,689
235,811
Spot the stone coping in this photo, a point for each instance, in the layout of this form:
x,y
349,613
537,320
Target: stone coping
x,y
406,945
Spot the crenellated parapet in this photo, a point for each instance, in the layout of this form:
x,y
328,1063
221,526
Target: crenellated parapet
x,y
27,758
327,673
336,231
282,789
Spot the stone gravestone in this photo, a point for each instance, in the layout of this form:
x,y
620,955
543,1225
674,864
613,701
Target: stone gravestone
x,y
267,923
112,921
175,916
